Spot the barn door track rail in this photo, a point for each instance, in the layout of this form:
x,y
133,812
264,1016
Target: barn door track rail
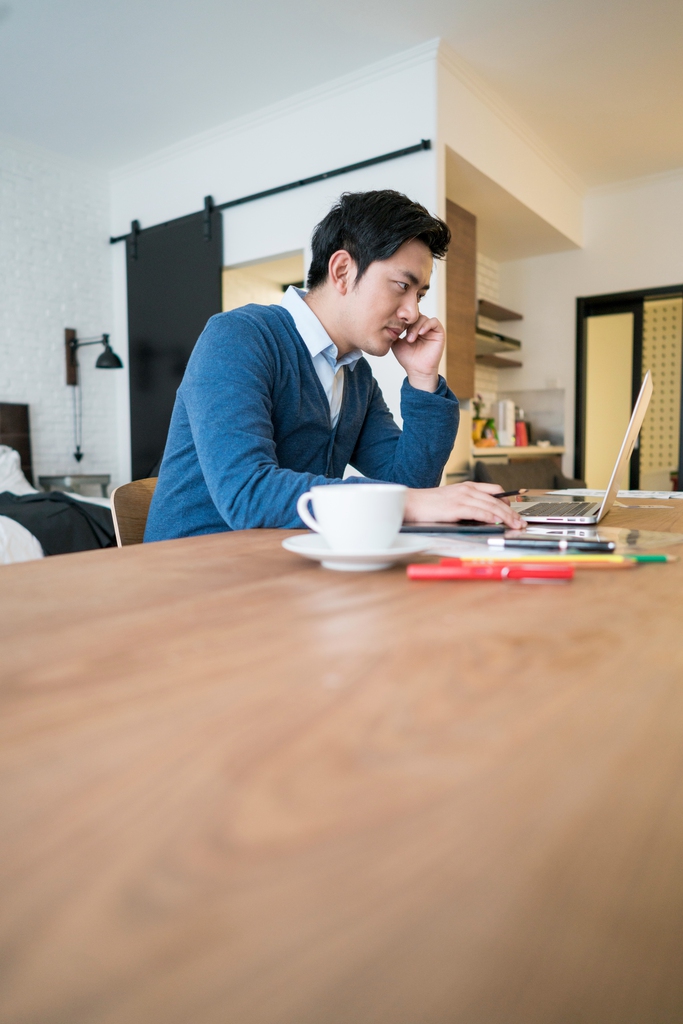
x,y
210,207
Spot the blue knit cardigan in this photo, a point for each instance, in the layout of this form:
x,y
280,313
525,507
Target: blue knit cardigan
x,y
251,430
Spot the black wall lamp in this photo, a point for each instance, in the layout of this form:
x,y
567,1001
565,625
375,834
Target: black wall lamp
x,y
107,360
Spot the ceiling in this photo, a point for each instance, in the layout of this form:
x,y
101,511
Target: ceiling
x,y
600,82
506,228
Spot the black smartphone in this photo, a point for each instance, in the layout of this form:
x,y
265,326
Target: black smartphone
x,y
463,526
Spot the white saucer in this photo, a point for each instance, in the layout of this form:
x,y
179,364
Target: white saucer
x,y
312,545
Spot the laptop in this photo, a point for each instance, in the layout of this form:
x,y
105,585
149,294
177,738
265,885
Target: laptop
x,y
585,512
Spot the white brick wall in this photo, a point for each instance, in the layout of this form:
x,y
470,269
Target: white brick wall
x,y
488,286
55,273
486,379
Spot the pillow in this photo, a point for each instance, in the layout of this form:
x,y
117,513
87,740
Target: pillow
x,y
17,544
11,477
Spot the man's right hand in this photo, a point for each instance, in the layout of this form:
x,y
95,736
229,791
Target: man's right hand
x,y
461,501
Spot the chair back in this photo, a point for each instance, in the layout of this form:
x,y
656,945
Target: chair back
x,y
129,507
535,473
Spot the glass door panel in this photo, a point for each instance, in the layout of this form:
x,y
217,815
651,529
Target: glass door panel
x,y
659,438
609,390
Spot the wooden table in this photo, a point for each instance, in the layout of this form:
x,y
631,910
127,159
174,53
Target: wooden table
x,y
239,789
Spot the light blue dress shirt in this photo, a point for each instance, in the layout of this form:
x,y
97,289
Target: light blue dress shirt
x,y
323,350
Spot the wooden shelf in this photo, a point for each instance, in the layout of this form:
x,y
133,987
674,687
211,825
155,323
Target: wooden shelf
x,y
488,343
498,362
530,451
493,312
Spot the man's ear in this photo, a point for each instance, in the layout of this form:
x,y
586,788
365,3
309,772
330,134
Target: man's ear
x,y
341,271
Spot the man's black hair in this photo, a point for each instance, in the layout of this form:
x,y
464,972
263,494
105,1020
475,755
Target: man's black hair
x,y
372,226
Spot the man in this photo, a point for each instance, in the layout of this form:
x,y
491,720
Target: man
x,y
277,399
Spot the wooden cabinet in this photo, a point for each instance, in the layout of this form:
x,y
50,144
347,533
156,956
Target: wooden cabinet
x,y
461,300
466,342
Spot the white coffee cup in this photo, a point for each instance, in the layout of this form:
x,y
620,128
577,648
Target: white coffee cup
x,y
355,517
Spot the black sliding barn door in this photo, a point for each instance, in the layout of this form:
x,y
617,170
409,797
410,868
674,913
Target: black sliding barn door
x,y
174,286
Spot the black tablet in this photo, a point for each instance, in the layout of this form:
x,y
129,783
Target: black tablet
x,y
463,526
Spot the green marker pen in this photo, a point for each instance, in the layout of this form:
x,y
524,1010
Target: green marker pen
x,y
652,558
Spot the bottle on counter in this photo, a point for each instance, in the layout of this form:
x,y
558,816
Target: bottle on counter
x,y
521,432
505,422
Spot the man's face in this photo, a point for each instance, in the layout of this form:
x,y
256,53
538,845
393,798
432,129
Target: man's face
x,y
379,308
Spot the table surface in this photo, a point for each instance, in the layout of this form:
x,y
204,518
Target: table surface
x,y
236,787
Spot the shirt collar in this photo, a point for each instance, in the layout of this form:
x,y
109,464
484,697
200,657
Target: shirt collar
x,y
315,337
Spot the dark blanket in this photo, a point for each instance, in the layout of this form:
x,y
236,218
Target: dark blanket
x,y
61,523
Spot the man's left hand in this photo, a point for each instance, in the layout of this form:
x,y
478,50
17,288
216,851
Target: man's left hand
x,y
420,351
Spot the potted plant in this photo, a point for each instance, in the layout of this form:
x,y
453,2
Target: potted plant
x,y
478,421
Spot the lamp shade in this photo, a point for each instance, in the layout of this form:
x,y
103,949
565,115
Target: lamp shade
x,y
108,360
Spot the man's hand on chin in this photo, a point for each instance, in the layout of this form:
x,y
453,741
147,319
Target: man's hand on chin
x,y
461,501
420,351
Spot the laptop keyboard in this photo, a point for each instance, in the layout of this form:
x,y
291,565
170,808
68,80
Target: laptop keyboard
x,y
559,508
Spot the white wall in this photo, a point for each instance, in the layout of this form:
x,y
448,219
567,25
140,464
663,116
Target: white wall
x,y
386,106
633,240
55,273
58,269
477,125
513,177
389,106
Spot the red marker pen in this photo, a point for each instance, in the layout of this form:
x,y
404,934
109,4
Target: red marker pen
x,y
490,572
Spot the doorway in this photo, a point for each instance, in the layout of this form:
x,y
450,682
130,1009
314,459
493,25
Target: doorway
x,y
262,281
174,286
619,337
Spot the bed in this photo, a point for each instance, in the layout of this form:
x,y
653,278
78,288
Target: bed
x,y
19,544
